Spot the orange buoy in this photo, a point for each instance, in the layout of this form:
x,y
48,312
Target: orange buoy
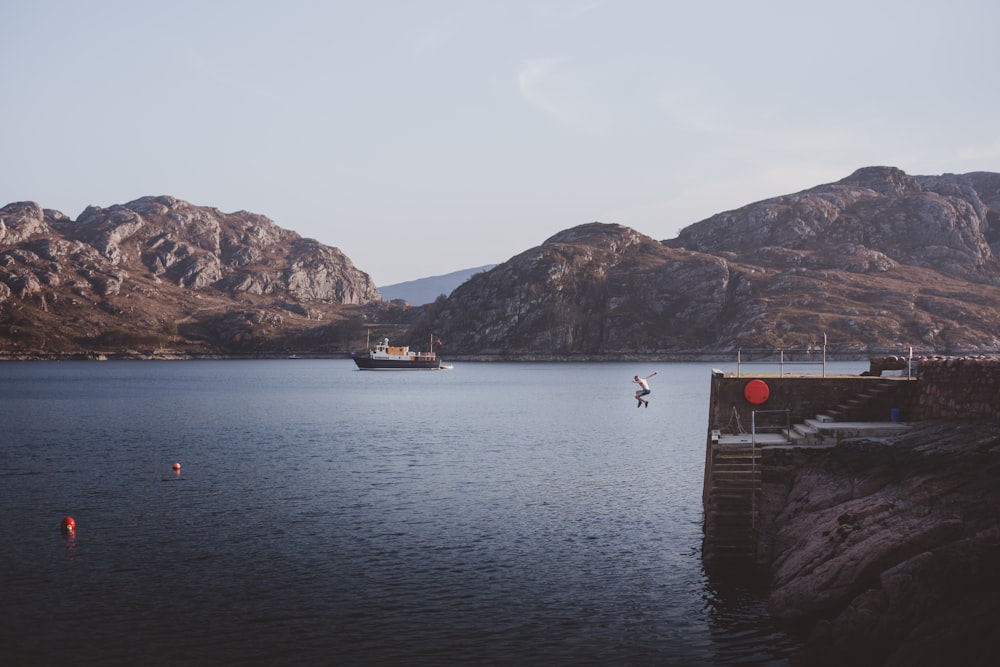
x,y
177,467
756,391
68,524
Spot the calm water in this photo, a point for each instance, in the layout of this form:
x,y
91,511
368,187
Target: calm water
x,y
492,514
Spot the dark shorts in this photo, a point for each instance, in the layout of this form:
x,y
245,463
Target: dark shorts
x,y
645,391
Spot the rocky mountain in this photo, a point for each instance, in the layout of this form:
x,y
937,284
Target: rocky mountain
x,y
878,259
159,273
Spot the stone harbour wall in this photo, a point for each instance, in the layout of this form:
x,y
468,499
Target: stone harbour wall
x,y
803,396
882,550
958,388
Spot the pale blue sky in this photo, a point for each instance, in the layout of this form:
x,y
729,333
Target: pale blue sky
x,y
429,136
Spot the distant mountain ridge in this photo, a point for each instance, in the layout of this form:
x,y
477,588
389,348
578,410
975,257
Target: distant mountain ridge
x,y
877,260
425,290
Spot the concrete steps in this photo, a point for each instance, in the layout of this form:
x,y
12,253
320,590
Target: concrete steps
x,y
730,520
871,404
731,504
736,478
804,434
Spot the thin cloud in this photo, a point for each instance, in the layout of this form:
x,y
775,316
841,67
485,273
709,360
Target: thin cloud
x,y
586,7
543,84
688,109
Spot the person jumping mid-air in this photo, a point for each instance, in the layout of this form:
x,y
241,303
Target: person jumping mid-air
x,y
643,390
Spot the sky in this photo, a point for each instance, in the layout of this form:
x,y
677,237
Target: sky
x,y
423,137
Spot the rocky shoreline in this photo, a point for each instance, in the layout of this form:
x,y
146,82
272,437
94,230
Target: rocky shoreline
x,y
887,550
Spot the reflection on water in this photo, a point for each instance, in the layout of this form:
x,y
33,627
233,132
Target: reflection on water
x,y
736,599
70,546
496,513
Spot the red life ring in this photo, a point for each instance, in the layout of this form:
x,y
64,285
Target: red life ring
x,y
756,391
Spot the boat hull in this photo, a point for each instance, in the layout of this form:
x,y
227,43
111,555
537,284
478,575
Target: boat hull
x,y
368,364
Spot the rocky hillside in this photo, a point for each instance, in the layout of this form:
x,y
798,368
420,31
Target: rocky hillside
x,y
879,260
158,273
887,549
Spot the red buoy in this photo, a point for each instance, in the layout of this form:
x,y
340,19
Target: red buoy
x,y
177,467
68,524
756,391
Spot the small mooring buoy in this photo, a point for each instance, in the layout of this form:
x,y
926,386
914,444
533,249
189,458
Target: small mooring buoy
x,y
68,525
177,467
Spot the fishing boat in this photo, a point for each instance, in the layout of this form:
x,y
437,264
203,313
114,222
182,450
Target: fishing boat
x,y
383,356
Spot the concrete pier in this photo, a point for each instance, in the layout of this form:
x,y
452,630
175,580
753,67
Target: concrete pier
x,y
815,413
797,413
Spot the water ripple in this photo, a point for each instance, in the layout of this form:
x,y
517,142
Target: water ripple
x,y
499,514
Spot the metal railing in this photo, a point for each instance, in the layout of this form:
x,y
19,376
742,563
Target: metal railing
x,y
787,428
807,356
781,358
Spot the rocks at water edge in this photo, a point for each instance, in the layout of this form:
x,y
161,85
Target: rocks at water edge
x,y
890,549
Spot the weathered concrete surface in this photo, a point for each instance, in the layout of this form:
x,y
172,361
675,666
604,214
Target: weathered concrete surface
x,y
889,548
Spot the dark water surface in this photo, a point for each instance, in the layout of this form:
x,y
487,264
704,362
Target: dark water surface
x,y
492,514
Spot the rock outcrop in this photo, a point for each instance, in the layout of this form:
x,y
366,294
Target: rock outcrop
x,y
596,289
877,260
159,272
199,247
889,547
